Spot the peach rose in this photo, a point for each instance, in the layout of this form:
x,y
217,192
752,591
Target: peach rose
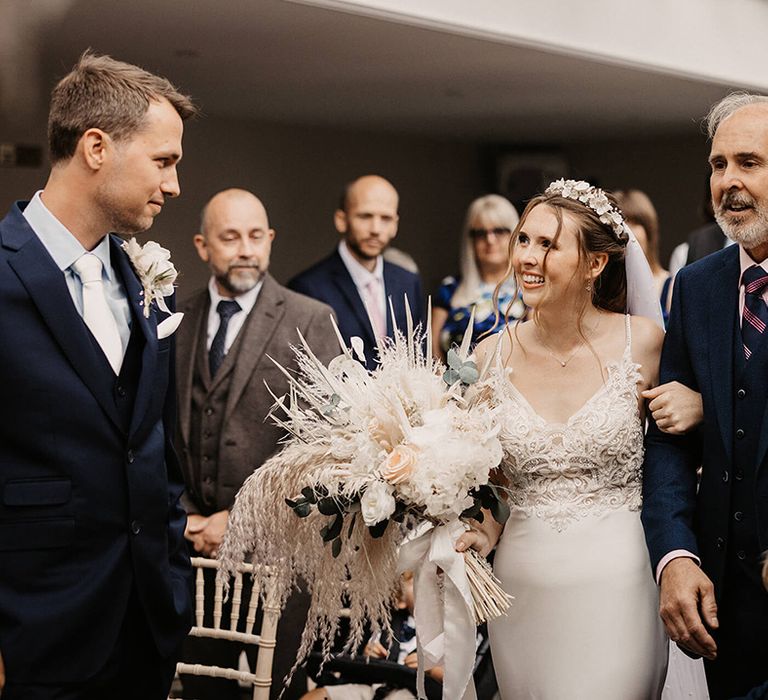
x,y
399,464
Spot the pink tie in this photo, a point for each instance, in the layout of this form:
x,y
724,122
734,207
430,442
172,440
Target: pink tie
x,y
373,301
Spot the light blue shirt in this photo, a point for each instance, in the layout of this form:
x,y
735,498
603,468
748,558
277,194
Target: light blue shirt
x,y
65,249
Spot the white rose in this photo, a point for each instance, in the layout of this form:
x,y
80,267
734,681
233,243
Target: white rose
x,y
377,503
164,275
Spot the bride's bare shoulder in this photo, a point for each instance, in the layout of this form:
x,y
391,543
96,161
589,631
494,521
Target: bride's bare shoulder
x,y
647,336
500,343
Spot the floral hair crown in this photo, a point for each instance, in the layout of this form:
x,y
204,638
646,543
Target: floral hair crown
x,y
595,199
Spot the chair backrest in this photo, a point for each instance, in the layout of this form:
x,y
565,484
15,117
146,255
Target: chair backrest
x,y
265,640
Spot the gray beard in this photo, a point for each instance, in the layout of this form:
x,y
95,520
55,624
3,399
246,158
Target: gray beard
x,y
240,285
748,236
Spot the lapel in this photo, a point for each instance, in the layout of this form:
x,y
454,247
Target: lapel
x,y
48,289
147,327
195,324
254,336
722,309
343,280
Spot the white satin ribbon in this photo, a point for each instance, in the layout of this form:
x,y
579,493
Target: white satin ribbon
x,y
445,623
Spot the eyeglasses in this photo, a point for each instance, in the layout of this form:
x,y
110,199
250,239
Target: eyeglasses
x,y
483,233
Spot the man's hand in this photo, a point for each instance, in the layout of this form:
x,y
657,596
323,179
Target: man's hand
x,y
196,523
675,408
2,672
687,606
375,650
206,534
213,534
412,661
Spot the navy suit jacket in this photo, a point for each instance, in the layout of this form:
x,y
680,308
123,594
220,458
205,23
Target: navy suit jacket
x,y
699,352
330,282
89,498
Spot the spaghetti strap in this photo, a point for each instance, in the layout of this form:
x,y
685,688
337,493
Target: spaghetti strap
x,y
628,335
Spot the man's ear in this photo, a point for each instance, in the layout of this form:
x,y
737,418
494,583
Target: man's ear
x,y
340,221
201,245
597,263
94,146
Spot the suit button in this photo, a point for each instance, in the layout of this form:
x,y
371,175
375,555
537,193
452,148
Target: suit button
x,y
739,434
209,411
120,391
739,474
741,393
725,476
738,516
130,457
741,554
206,433
720,543
135,527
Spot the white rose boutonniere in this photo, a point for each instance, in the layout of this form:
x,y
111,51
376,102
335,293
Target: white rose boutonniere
x,y
155,270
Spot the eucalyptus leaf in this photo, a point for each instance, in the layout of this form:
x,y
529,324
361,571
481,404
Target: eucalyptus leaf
x,y
500,511
451,376
303,509
336,547
469,374
334,530
378,529
454,361
328,506
473,510
309,494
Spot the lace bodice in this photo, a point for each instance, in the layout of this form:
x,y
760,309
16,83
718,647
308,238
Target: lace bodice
x,y
592,463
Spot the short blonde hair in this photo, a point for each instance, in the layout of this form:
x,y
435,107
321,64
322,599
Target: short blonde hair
x,y
100,92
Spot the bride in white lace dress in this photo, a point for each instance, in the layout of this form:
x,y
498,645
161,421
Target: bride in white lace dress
x,y
584,623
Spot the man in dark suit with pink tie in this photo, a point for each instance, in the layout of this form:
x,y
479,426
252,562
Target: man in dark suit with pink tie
x,y
355,280
707,538
94,574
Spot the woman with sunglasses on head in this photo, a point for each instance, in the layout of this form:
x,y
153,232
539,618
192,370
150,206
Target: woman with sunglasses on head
x,y
483,259
584,624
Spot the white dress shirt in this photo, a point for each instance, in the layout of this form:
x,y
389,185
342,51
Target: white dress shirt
x,y
65,249
246,302
362,277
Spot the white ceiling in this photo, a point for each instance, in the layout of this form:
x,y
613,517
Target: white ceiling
x,y
282,61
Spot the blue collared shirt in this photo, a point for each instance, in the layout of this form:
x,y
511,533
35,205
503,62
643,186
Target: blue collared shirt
x,y
65,249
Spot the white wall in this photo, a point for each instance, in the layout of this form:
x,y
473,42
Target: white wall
x,y
710,39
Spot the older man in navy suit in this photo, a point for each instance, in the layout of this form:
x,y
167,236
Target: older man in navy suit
x,y
94,576
706,543
355,280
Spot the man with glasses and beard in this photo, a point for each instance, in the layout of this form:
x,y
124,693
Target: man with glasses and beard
x,y
706,540
230,332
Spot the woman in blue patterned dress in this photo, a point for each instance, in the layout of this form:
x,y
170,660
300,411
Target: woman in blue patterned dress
x,y
484,260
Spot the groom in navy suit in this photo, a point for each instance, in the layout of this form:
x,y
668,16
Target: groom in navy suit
x,y
355,280
706,541
94,575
